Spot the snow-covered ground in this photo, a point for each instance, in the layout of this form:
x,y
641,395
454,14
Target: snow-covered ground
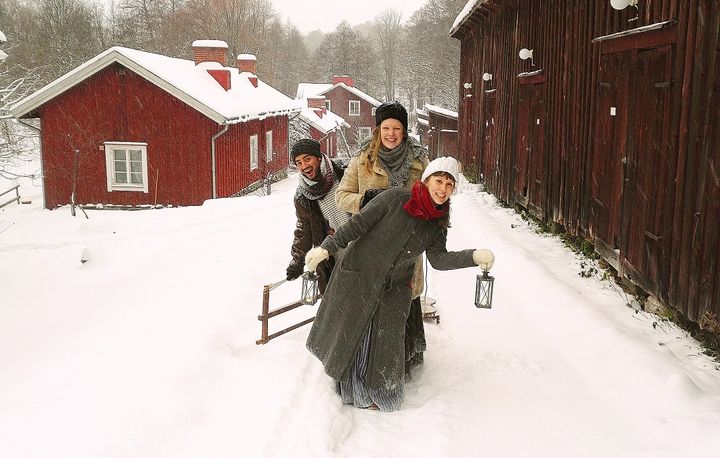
x,y
148,349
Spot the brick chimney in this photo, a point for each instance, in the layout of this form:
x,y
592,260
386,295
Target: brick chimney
x,y
247,63
210,51
317,103
342,79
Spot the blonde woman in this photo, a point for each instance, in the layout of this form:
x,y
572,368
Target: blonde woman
x,y
390,158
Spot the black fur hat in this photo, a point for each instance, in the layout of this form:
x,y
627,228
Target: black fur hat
x,y
393,110
305,146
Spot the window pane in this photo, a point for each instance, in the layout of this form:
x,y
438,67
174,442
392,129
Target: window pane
x,y
120,178
135,155
135,166
120,166
119,154
136,178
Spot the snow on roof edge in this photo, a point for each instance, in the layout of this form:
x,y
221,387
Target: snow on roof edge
x,y
466,12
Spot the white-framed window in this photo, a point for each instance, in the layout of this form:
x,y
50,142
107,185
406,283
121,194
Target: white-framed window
x,y
268,146
372,112
327,105
253,152
354,108
126,166
364,132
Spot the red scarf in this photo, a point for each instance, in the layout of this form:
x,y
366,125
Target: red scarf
x,y
421,204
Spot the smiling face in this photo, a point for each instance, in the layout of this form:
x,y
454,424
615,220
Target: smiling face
x,y
309,165
441,186
391,133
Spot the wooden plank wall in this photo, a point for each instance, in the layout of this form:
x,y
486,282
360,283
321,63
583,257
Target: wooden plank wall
x,y
561,33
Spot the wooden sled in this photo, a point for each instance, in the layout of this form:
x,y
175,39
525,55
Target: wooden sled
x,y
266,314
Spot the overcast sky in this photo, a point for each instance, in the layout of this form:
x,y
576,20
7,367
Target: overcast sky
x,y
309,15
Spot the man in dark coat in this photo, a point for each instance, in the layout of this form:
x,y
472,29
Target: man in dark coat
x,y
315,207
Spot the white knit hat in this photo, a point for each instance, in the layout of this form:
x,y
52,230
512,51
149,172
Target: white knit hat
x,y
443,164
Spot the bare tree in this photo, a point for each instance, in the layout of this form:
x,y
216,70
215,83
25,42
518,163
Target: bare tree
x,y
388,33
345,52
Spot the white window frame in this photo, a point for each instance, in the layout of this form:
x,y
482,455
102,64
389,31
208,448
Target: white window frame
x,y
367,132
253,152
356,103
110,172
269,146
372,112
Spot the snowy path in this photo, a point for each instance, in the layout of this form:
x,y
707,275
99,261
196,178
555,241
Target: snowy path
x,y
149,348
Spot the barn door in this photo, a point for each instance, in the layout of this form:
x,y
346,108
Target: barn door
x,y
529,166
489,163
611,122
647,165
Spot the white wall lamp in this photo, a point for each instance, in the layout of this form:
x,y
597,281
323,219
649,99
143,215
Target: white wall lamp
x,y
467,87
487,77
526,54
622,4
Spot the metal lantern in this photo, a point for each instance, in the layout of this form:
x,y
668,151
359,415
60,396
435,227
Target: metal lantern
x,y
310,288
484,290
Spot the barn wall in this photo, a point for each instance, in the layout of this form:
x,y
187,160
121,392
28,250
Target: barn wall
x,y
627,151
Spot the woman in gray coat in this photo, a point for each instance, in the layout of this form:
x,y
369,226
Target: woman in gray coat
x,y
358,332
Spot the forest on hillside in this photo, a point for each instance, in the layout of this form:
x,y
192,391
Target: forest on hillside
x,y
411,59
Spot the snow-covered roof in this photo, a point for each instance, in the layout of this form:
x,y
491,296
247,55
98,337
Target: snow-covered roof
x,y
328,122
183,79
305,90
421,112
355,91
469,8
423,122
441,111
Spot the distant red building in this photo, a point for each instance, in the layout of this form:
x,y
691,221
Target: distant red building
x,y
442,131
323,125
353,105
131,128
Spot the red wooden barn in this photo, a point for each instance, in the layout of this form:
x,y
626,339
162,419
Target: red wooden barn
x,y
131,128
604,117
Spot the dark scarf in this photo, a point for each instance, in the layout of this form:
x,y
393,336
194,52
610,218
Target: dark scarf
x,y
398,160
315,190
421,204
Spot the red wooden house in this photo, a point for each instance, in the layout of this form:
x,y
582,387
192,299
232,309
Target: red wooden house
x,y
604,117
131,128
323,125
442,131
353,105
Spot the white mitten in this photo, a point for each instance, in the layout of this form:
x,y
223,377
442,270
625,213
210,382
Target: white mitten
x,y
484,258
314,257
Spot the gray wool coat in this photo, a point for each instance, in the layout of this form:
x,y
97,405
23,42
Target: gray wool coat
x,y
372,285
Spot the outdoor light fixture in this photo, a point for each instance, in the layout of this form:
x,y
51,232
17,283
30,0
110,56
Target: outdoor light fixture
x,y
467,85
622,4
310,293
526,54
487,76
